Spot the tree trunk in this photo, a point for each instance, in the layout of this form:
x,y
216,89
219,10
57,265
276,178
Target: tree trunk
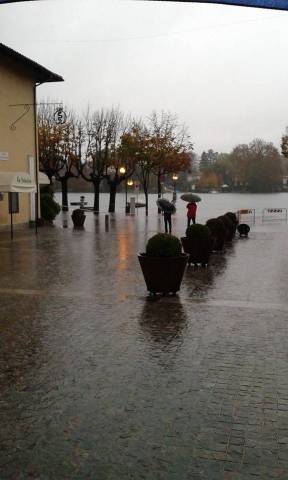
x,y
112,200
64,188
96,185
159,188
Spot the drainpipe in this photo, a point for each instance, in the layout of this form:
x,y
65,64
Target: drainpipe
x,y
36,156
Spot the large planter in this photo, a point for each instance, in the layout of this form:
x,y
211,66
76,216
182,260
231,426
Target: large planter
x,y
234,229
229,234
78,219
163,274
230,227
199,250
218,242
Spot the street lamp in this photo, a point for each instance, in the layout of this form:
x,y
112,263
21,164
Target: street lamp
x,y
174,178
128,183
122,171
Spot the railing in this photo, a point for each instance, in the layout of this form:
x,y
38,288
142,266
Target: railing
x,y
249,215
269,214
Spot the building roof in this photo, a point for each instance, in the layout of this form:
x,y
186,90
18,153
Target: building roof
x,y
39,73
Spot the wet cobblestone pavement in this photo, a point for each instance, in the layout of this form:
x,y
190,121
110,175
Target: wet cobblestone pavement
x,y
98,381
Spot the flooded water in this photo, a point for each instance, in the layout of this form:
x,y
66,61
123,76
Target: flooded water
x,y
211,205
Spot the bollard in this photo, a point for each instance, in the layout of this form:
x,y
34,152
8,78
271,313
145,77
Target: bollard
x,y
132,205
82,202
106,223
65,223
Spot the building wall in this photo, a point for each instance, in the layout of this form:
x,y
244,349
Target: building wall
x,y
16,87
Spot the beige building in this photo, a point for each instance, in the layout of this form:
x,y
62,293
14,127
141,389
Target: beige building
x,y
19,77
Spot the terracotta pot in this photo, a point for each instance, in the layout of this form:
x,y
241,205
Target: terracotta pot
x,y
163,274
199,249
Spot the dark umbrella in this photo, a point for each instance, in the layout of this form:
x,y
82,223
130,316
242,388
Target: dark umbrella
x,y
190,197
165,205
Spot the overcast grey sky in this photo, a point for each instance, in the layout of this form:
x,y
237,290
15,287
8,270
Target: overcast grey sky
x,y
223,70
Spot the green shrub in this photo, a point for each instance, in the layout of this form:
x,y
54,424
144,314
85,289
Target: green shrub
x,y
232,217
47,189
163,245
228,223
216,226
198,231
49,208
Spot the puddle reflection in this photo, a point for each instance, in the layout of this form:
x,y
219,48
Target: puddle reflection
x,y
163,322
199,281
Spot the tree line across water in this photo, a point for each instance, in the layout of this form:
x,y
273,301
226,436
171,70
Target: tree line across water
x,y
254,167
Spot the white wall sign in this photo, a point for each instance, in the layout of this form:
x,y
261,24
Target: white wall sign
x,y
4,155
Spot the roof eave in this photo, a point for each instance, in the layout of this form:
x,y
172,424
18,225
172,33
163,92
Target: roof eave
x,y
39,73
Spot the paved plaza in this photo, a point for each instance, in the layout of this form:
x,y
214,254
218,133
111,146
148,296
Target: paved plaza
x,y
99,381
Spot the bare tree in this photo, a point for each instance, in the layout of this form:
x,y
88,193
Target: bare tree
x,y
123,158
102,137
144,150
59,147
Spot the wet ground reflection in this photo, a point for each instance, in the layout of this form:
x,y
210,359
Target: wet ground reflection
x,y
163,321
99,381
198,281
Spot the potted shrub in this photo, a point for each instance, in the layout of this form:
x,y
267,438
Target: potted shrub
x,y
233,217
198,244
217,228
229,227
243,229
78,218
163,264
49,208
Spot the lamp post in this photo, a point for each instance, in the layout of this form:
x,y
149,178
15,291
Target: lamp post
x,y
122,170
129,183
174,178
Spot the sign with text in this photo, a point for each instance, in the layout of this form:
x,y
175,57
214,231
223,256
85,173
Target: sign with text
x,y
4,156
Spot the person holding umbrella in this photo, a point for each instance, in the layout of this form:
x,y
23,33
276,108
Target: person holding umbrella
x,y
191,212
167,221
191,199
168,208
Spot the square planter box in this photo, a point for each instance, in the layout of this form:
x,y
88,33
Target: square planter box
x,y
163,274
199,250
